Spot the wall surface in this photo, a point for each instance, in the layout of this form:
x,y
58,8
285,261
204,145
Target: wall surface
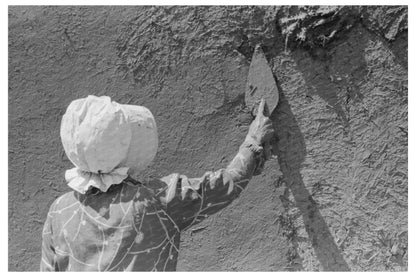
x,y
336,196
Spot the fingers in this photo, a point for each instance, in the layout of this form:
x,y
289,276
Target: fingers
x,y
267,121
262,127
261,109
268,124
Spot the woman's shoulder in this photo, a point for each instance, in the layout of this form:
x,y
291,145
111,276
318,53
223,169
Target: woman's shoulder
x,y
64,203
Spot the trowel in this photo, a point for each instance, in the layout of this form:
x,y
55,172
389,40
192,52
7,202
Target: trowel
x,y
261,85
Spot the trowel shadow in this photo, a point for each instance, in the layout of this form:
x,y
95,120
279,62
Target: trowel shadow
x,y
291,151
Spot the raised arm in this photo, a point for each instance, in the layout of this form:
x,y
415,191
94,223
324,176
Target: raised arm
x,y
190,200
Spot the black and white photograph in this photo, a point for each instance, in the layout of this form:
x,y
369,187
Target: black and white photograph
x,y
207,138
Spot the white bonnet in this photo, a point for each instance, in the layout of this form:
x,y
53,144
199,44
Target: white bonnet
x,y
106,141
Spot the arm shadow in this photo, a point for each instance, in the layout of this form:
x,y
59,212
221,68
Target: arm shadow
x,y
291,151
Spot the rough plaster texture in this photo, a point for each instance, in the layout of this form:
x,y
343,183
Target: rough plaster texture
x,y
336,196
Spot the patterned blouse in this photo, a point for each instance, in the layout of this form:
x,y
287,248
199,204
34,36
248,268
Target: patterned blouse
x,y
135,226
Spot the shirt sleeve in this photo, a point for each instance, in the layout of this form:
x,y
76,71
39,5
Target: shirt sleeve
x,y
190,200
47,262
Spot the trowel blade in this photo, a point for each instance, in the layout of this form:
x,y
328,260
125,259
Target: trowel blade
x,y
260,83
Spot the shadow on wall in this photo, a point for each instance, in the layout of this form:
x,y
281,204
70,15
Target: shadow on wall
x,y
291,151
334,74
316,68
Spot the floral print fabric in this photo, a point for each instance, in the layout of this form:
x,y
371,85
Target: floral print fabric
x,y
135,226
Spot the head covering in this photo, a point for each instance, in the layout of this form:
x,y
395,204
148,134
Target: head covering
x,y
106,141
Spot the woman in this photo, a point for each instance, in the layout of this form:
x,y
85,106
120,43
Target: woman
x,y
112,222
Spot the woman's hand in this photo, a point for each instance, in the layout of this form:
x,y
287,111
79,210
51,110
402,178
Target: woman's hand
x,y
261,129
